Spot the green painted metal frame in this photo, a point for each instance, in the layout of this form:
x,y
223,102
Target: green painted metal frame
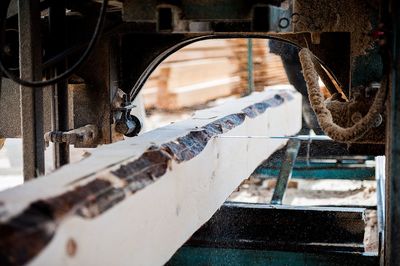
x,y
322,170
224,256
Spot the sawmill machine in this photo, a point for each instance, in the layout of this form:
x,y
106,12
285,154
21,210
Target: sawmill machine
x,y
72,69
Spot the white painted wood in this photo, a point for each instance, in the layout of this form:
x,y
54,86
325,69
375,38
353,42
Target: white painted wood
x,y
146,228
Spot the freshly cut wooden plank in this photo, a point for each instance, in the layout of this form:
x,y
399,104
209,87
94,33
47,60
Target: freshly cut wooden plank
x,y
136,202
199,93
200,54
195,71
183,84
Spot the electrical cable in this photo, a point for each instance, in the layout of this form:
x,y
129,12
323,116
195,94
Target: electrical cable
x,y
93,42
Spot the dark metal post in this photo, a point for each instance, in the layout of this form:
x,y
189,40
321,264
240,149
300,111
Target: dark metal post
x,y
250,66
31,98
60,109
392,244
286,170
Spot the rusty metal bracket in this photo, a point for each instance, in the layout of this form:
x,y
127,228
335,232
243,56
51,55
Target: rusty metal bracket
x,y
83,137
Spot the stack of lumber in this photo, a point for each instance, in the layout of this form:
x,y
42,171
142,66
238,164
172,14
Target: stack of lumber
x,y
267,67
208,70
241,61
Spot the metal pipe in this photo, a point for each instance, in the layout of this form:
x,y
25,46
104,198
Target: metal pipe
x,y
57,27
250,66
298,137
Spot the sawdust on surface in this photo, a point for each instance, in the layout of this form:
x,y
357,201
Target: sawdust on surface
x,y
324,116
309,192
371,239
337,16
326,192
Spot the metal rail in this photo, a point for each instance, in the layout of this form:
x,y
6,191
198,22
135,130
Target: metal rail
x,y
285,173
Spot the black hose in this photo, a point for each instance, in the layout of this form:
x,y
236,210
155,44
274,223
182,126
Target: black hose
x,y
3,16
94,40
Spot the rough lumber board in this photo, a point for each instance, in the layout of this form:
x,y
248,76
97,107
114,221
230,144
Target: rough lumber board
x,y
136,202
264,65
195,71
205,91
199,93
189,96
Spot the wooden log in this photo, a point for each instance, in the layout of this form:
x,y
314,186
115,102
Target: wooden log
x,y
136,202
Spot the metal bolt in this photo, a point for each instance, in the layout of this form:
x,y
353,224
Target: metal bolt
x,y
378,121
284,23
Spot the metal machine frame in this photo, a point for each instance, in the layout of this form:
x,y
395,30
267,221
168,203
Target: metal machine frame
x,y
133,43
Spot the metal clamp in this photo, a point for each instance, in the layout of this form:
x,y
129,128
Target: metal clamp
x,y
126,124
83,137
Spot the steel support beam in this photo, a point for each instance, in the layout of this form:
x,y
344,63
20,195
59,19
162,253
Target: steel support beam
x,y
286,170
392,228
31,98
287,228
250,257
260,234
